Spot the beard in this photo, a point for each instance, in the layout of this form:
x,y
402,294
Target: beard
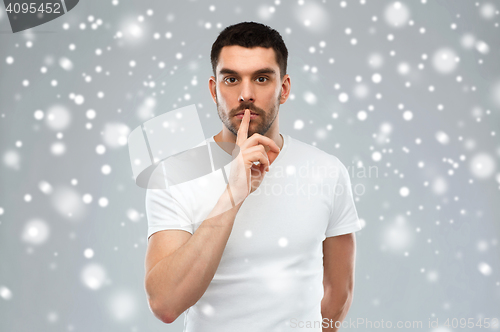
x,y
259,125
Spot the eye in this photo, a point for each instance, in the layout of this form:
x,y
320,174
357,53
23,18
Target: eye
x,y
263,78
229,78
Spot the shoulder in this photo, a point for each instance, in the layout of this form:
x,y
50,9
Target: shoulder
x,y
313,153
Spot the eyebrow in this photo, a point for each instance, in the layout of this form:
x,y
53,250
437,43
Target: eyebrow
x,y
260,71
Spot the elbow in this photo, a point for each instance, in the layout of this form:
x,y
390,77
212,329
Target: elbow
x,y
167,308
346,298
167,316
337,303
160,308
340,293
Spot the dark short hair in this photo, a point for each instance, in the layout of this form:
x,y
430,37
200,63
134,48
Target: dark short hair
x,y
250,34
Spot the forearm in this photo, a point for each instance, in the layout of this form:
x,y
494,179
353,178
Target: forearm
x,y
179,280
335,309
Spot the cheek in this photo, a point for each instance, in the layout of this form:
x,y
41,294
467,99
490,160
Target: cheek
x,y
269,93
225,95
275,96
222,96
277,92
224,100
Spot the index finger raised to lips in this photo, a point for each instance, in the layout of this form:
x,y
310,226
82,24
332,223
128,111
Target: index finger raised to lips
x,y
242,134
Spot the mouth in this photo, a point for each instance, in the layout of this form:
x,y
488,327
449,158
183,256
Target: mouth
x,y
252,114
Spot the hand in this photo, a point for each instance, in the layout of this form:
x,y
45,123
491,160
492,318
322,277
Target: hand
x,y
245,176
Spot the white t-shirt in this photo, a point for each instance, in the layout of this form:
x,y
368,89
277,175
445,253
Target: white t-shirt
x,y
271,272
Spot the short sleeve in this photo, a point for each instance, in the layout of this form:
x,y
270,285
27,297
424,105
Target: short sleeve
x,y
343,215
165,212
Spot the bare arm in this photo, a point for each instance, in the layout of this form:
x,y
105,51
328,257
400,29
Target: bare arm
x,y
339,255
180,266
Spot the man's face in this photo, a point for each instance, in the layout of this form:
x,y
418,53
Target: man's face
x,y
248,78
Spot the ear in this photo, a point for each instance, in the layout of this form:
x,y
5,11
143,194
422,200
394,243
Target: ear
x,y
285,89
212,86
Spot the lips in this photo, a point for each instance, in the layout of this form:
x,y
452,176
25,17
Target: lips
x,y
243,113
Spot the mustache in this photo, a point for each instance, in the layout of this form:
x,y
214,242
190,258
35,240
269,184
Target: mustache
x,y
249,106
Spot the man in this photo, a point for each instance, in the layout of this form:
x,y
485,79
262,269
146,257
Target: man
x,y
274,248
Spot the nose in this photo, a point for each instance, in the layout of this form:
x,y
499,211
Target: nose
x,y
246,92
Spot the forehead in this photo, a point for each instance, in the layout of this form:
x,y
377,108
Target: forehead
x,y
242,59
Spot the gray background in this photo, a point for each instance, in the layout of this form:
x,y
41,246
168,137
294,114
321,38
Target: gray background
x,y
432,254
